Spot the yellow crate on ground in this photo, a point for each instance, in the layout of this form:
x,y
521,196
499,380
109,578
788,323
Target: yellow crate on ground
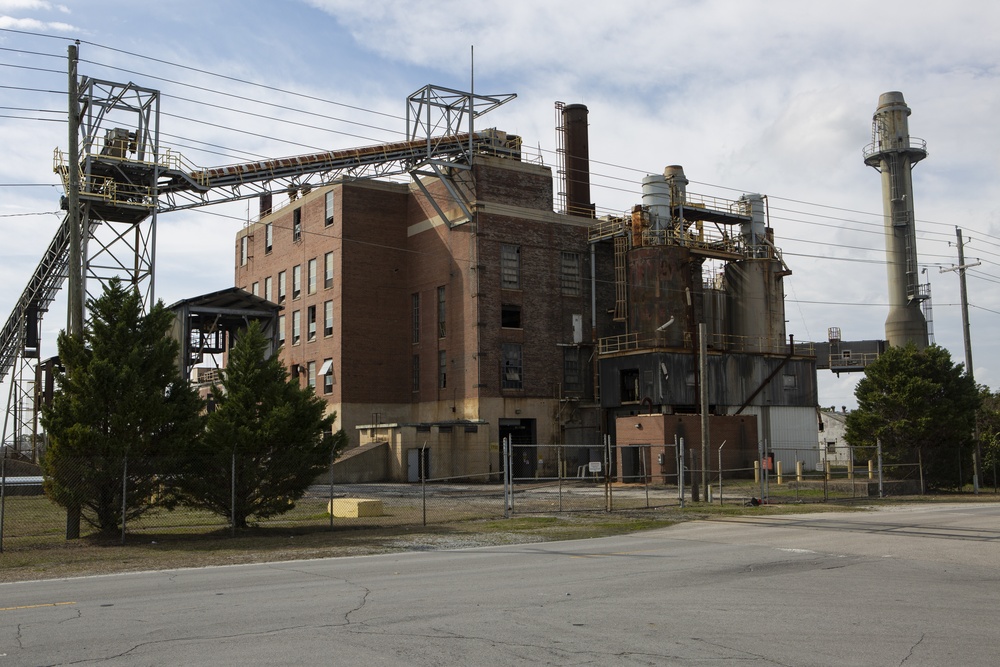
x,y
350,508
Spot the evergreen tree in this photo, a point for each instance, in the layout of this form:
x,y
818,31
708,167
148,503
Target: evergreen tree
x,y
988,421
922,407
120,402
267,429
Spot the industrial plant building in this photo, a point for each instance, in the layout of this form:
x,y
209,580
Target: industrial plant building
x,y
428,325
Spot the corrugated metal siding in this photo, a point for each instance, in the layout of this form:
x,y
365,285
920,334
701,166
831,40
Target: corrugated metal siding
x,y
794,434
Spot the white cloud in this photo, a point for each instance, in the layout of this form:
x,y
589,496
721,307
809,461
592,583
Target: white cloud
x,y
12,23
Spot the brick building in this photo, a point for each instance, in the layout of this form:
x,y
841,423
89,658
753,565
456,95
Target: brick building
x,y
420,332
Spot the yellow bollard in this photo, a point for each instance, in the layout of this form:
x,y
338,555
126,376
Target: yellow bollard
x,y
850,468
826,468
778,466
798,471
871,469
756,472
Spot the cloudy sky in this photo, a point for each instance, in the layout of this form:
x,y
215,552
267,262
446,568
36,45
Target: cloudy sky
x,y
773,97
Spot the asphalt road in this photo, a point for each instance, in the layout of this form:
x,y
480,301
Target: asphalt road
x,y
903,586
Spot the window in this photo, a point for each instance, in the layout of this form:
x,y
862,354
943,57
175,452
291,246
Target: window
x,y
328,318
311,368
442,370
416,372
267,288
569,274
296,327
441,312
281,287
311,322
831,446
510,316
268,238
244,249
281,330
311,273
630,385
327,374
415,316
255,289
510,266
789,381
296,281
328,218
572,379
511,378
297,225
328,270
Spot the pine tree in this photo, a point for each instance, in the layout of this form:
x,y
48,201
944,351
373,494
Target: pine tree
x,y
267,429
121,407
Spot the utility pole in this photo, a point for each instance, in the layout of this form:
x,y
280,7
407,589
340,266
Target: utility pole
x,y
967,338
74,321
76,289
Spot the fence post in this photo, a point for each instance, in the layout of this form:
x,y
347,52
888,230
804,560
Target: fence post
x,y
881,489
423,483
680,469
508,491
124,491
561,468
645,473
333,454
232,496
720,471
3,493
607,473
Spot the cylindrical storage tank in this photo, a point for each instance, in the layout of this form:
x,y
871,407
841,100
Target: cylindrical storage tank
x,y
754,231
658,279
656,198
678,183
577,160
756,312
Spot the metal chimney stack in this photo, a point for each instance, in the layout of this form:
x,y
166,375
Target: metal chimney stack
x,y
893,153
577,161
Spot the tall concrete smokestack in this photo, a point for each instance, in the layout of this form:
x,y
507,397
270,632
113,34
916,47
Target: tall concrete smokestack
x,y
577,160
893,153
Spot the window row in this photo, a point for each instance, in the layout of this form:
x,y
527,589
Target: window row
x,y
328,219
324,374
311,324
570,270
512,368
311,280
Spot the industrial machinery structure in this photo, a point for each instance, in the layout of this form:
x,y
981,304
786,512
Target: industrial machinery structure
x,y
118,178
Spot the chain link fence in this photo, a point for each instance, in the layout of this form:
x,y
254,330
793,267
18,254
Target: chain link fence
x,y
131,501
135,501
